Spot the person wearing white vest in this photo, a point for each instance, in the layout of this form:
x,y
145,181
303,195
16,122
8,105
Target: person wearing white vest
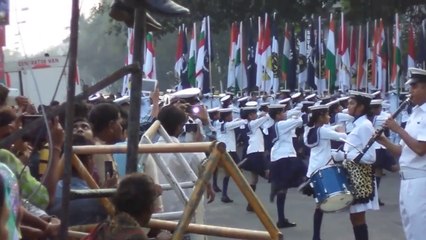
x,y
411,151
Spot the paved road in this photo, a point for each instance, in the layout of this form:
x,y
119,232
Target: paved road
x,y
383,225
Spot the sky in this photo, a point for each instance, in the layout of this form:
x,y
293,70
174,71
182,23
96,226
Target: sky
x,y
37,25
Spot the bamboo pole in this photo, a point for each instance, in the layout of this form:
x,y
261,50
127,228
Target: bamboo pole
x,y
210,230
198,191
239,179
81,169
153,130
145,148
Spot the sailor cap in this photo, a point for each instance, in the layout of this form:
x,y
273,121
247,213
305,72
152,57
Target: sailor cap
x,y
318,107
187,93
415,75
211,110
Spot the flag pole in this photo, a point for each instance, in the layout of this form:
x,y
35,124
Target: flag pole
x,y
210,58
320,89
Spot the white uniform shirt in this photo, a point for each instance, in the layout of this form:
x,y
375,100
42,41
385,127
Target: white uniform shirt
x,y
321,153
228,135
359,136
416,127
283,147
256,141
378,123
345,120
296,112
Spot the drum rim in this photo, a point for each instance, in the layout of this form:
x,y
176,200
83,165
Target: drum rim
x,y
324,167
335,194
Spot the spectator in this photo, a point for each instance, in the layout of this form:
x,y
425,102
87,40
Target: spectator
x,y
134,204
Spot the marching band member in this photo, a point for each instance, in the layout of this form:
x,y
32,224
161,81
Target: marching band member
x,y
411,151
318,138
226,134
255,161
363,130
286,170
384,160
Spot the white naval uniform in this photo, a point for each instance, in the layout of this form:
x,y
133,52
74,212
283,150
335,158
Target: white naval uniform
x,y
256,141
345,120
321,153
361,133
228,135
283,147
412,195
378,123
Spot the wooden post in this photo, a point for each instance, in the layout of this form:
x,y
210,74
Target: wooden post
x,y
198,191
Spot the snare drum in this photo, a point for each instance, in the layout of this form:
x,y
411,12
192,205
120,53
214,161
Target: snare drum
x,y
331,188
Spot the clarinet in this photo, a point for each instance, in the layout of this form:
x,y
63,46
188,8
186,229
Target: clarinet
x,y
370,142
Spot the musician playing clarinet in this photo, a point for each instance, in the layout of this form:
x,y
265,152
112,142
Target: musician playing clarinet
x,y
365,196
411,151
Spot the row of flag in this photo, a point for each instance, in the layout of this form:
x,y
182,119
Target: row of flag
x,y
357,58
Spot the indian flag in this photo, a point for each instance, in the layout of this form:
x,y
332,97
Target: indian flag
x,y
149,64
192,56
232,56
330,56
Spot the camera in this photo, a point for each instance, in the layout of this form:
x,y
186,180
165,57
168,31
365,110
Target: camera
x,y
191,127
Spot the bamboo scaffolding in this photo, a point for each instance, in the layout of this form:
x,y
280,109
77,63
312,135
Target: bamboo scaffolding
x,y
210,230
239,179
198,190
145,148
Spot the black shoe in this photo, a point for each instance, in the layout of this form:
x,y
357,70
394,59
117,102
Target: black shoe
x,y
226,199
286,224
216,188
165,7
249,208
381,203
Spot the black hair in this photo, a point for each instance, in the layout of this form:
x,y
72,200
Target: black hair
x,y
171,117
363,101
7,116
315,115
273,112
245,113
4,93
135,195
224,115
102,114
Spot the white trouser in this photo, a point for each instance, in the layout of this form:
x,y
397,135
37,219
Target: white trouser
x,y
412,204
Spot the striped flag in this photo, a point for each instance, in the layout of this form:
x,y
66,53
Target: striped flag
x,y
285,62
396,56
302,60
274,55
232,55
361,73
411,56
266,60
240,66
330,56
312,48
352,55
201,54
344,65
149,67
192,56
259,52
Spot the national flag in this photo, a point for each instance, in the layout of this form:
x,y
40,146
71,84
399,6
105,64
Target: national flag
x,y
396,56
192,56
201,54
411,56
259,53
240,66
376,45
352,55
291,74
125,91
181,65
274,56
320,66
179,49
382,59
361,74
285,61
204,57
251,56
302,60
149,67
330,55
311,56
232,55
267,74
344,64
